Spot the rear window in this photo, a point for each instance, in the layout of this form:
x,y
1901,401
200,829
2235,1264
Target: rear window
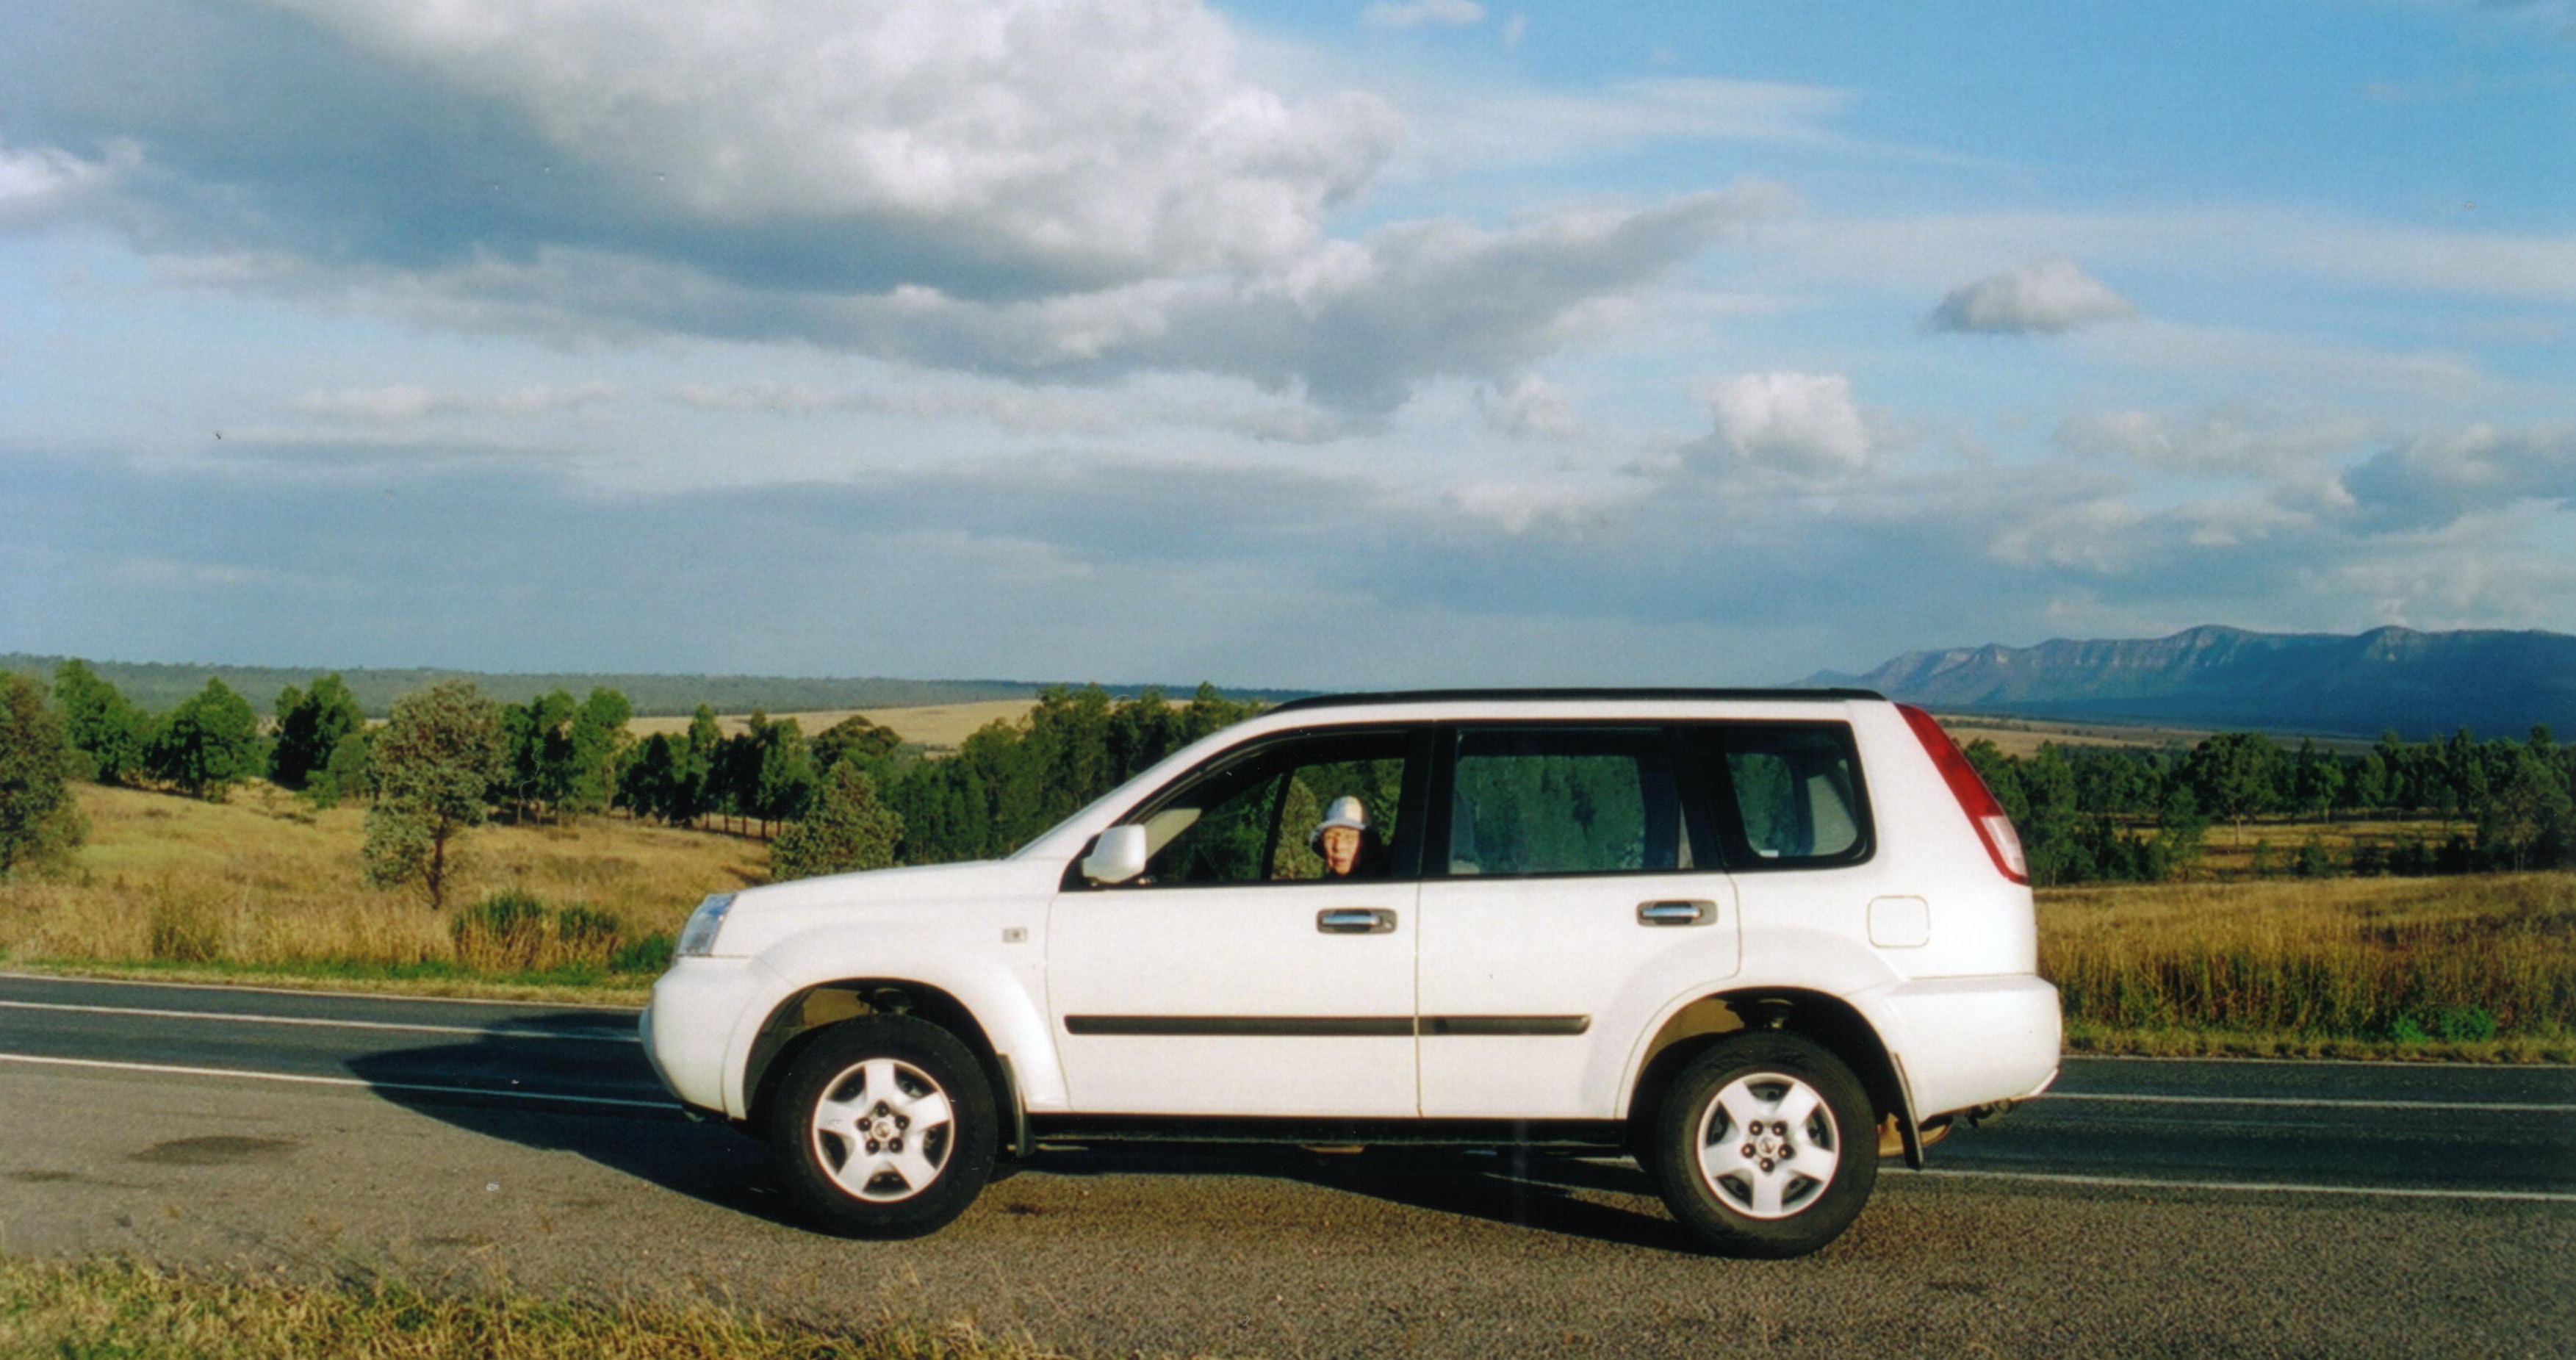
x,y
1785,795
1565,802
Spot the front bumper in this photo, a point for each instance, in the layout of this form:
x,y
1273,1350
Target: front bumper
x,y
689,1025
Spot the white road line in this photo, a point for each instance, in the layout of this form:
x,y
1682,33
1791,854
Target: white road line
x,y
83,979
2265,1187
167,1069
484,1031
2305,1102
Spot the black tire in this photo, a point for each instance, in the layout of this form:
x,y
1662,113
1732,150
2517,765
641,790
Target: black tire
x,y
810,1163
1766,1203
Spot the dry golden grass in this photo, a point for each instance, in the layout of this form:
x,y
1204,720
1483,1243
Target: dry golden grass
x,y
2228,851
2478,967
939,726
265,882
114,1308
2024,736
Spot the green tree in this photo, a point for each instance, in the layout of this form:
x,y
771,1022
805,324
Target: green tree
x,y
102,724
843,830
2180,830
350,773
855,739
599,742
2232,775
39,821
436,764
310,723
2521,813
207,744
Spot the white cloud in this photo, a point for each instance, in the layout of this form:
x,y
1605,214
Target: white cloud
x,y
2221,439
1481,127
1422,13
2050,295
40,183
2436,479
1515,29
1797,422
411,401
1096,139
1352,325
1528,405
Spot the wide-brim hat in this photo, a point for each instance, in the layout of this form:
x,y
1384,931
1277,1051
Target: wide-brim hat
x,y
1345,811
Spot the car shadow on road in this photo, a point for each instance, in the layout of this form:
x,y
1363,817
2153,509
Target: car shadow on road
x,y
715,1164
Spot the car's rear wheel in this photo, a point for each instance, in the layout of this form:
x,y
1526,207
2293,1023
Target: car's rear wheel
x,y
884,1128
1765,1145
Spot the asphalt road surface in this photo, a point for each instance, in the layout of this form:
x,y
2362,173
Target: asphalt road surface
x,y
2143,1208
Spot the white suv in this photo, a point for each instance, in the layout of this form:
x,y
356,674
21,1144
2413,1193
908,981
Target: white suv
x,y
1743,935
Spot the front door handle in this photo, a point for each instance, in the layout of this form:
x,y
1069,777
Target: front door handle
x,y
1676,912
1355,921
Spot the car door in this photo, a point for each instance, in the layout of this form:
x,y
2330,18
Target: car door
x,y
1235,977
1574,893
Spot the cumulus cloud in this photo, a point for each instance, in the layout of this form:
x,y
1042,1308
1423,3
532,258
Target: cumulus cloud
x,y
411,401
1528,405
2047,295
2434,480
43,182
1087,141
2215,440
1423,13
1803,423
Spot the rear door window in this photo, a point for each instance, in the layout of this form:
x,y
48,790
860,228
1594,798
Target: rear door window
x,y
1785,795
1580,801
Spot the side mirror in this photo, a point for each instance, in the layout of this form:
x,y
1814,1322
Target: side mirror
x,y
1117,856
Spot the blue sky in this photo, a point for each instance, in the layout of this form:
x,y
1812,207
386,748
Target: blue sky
x,y
1278,344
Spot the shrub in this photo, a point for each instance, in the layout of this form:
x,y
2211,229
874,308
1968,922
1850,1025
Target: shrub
x,y
185,928
504,933
585,935
650,954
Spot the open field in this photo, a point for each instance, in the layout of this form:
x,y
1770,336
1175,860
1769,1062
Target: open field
x,y
266,883
263,887
2479,967
938,726
2024,736
111,1307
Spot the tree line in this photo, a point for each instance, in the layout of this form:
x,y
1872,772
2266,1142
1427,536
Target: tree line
x,y
449,758
2090,814
855,795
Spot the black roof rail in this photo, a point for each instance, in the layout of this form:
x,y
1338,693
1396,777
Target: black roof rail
x,y
1444,696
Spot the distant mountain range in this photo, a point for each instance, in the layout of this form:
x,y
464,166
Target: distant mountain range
x,y
2496,683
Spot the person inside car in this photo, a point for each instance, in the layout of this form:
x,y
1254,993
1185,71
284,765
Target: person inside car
x,y
1345,840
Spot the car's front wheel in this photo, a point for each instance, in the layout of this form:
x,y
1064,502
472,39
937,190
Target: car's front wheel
x,y
1765,1145
884,1128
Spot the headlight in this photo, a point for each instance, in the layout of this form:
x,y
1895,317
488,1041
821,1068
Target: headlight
x,y
698,937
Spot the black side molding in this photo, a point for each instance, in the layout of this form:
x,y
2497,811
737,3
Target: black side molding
x,y
1323,1026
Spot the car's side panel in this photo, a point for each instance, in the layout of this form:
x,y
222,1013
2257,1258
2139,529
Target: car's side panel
x,y
1234,1000
1529,957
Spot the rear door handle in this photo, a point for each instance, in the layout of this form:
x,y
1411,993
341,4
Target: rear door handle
x,y
1355,921
1676,912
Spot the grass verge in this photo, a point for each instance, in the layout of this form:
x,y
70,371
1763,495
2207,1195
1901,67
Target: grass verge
x,y
138,1312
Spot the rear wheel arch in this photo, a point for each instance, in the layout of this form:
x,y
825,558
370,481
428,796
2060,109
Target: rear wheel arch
x,y
795,1022
1821,1016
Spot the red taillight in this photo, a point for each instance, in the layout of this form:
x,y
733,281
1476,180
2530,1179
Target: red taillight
x,y
1975,799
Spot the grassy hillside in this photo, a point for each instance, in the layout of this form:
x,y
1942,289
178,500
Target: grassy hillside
x,y
263,883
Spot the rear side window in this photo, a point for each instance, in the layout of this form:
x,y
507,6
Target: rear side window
x,y
1564,802
1785,795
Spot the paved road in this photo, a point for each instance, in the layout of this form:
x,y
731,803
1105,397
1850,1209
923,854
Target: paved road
x,y
2148,1207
